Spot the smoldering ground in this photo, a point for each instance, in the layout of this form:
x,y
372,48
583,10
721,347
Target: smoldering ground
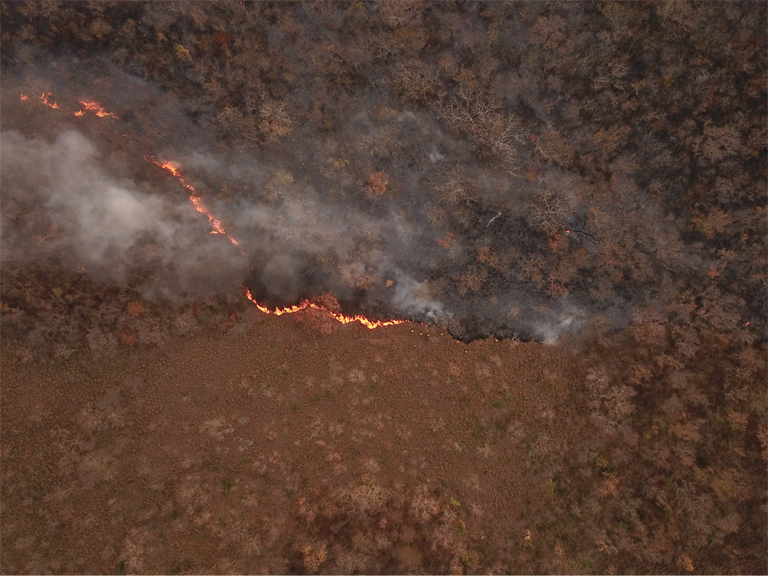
x,y
391,212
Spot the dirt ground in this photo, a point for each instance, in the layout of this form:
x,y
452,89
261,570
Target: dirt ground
x,y
235,454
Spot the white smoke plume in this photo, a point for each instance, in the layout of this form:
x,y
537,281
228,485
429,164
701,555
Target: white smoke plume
x,y
413,298
99,222
362,213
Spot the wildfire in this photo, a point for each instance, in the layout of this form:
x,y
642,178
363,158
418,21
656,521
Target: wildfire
x,y
219,229
171,167
194,198
44,98
97,109
94,107
370,324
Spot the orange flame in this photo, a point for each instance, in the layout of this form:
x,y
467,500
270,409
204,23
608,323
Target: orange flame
x,y
44,98
97,109
370,324
194,198
219,229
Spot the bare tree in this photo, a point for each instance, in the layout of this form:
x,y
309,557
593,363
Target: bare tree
x,y
493,130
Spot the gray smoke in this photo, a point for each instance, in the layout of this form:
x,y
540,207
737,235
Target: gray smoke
x,y
96,221
391,213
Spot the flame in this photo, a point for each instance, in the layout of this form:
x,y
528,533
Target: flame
x,y
370,324
219,229
97,108
194,198
44,98
170,166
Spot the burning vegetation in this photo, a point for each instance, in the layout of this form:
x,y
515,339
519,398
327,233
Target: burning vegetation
x,y
587,176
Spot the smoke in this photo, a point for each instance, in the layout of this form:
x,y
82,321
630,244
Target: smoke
x,y
96,221
391,212
550,330
412,299
101,214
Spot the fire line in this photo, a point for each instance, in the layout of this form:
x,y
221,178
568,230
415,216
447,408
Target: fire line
x,y
195,199
44,98
94,107
370,324
219,229
197,202
97,109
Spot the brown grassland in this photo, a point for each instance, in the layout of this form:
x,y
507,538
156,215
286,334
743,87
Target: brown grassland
x,y
285,450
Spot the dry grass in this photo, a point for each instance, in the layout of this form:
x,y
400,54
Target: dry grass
x,y
222,459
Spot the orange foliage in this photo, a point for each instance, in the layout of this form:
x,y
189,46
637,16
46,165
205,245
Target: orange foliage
x,y
448,241
377,184
135,309
556,241
128,338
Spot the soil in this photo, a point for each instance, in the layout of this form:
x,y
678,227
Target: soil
x,y
202,456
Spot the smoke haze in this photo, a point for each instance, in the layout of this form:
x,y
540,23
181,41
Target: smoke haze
x,y
391,214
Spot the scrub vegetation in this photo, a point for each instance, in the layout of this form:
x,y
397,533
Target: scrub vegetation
x,y
564,202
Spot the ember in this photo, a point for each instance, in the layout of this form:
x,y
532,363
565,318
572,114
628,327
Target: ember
x,y
96,108
44,97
